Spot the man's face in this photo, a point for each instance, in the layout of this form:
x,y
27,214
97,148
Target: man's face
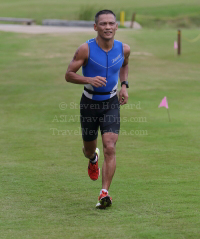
x,y
106,26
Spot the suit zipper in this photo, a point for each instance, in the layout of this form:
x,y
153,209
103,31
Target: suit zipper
x,y
107,66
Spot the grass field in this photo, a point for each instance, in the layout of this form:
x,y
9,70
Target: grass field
x,y
45,191
154,13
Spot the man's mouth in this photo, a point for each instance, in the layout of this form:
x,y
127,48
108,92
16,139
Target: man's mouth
x,y
108,32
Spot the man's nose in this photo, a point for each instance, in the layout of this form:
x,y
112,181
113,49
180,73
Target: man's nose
x,y
108,25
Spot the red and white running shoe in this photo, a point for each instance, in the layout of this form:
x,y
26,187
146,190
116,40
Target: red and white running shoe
x,y
93,169
104,201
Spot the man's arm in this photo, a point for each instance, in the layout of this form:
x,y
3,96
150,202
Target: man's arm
x,y
80,58
123,94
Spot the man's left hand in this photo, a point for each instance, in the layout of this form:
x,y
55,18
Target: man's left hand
x,y
123,96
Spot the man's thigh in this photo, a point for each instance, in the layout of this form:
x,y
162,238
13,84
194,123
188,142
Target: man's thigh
x,y
109,139
110,119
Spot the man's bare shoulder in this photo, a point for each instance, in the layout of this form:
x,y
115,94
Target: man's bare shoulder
x,y
81,52
127,49
84,48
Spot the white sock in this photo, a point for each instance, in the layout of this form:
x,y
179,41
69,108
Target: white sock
x,y
103,190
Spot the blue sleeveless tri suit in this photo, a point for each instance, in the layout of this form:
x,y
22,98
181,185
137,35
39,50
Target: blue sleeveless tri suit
x,y
105,64
99,107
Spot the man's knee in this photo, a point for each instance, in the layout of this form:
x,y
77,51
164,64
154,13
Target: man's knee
x,y
89,153
109,149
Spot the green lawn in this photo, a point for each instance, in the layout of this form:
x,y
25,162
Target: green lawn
x,y
154,13
45,191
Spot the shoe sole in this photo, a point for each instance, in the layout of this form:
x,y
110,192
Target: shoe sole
x,y
97,151
104,202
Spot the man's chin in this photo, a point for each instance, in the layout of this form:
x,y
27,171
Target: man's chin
x,y
108,38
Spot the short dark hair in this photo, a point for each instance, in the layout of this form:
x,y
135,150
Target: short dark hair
x,y
103,12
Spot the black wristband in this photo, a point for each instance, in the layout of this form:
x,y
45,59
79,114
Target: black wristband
x,y
125,83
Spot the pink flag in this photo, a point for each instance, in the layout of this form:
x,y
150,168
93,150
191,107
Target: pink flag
x,y
175,45
164,103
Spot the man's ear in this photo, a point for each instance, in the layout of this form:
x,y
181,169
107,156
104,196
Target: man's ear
x,y
95,27
116,26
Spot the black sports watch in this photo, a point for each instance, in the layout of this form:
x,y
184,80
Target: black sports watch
x,y
125,83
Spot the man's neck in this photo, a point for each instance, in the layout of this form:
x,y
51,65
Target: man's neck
x,y
105,45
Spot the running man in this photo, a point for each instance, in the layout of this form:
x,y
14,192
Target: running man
x,y
103,61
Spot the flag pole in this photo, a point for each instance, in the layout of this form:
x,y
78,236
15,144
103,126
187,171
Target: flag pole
x,y
168,115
